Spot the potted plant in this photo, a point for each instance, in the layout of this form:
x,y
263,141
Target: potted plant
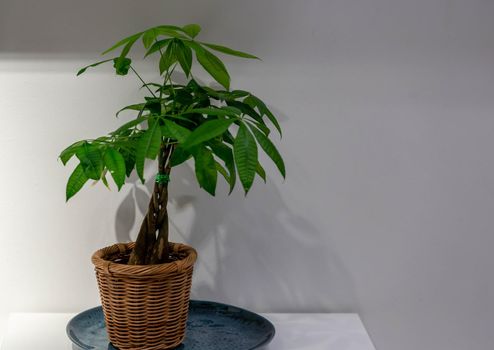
x,y
145,285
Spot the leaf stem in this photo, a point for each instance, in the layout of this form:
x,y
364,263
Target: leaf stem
x,y
147,87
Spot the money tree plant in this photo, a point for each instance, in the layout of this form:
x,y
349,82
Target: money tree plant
x,y
220,129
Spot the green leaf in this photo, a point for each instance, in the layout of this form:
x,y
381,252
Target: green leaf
x,y
115,163
122,65
253,101
168,58
212,93
82,70
91,160
225,153
214,66
207,131
270,150
130,161
205,167
192,30
248,110
177,131
122,42
171,31
104,180
147,147
182,97
245,152
261,172
239,94
136,107
76,180
184,56
70,151
177,117
223,111
148,37
129,124
228,51
179,156
158,86
128,46
157,46
222,171
153,104
245,109
260,126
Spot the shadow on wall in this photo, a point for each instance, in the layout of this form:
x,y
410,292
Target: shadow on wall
x,y
253,252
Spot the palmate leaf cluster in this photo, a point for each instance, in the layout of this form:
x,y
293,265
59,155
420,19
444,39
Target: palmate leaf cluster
x,y
222,130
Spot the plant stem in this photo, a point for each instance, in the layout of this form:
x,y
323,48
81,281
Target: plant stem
x,y
152,242
145,84
160,252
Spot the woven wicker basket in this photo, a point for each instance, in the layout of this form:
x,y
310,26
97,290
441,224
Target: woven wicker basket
x,y
145,306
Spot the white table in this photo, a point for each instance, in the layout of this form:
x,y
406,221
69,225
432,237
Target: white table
x,y
46,331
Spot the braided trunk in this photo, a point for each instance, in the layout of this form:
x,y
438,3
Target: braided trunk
x,y
152,241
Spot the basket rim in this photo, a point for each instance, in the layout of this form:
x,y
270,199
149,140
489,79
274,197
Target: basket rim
x,y
108,267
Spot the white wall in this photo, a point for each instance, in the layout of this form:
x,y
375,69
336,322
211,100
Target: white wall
x,y
387,108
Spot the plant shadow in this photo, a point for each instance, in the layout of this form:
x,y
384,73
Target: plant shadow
x,y
254,252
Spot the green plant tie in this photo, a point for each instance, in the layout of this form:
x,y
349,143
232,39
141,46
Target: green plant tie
x,y
162,179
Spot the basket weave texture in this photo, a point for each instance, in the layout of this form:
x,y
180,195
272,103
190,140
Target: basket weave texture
x,y
145,306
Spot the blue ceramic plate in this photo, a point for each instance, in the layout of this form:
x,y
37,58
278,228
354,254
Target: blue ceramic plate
x,y
210,326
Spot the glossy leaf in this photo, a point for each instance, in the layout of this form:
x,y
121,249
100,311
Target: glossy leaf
x,y
192,30
123,42
167,59
207,131
245,109
179,156
171,31
220,169
270,150
158,46
239,93
91,160
135,107
261,172
260,126
205,168
228,51
128,46
225,153
149,37
196,119
70,151
177,131
122,65
130,124
147,147
253,101
254,116
184,56
130,161
245,152
151,140
115,164
104,180
82,70
76,180
223,111
214,66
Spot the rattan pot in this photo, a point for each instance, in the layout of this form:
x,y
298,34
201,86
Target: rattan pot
x,y
145,306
